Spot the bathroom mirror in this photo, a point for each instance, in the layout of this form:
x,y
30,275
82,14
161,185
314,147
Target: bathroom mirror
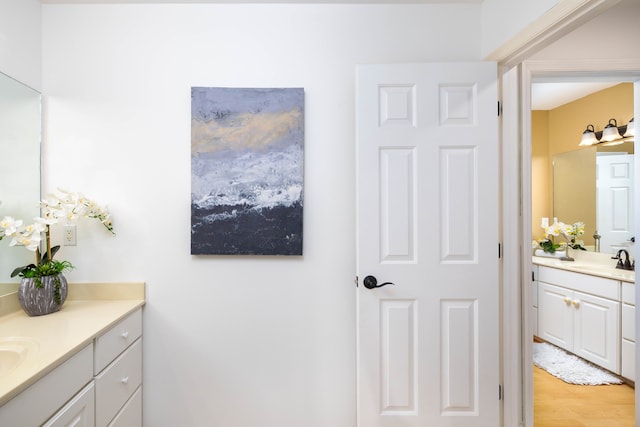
x,y
20,139
584,191
565,174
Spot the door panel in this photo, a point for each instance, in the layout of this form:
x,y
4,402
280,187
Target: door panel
x,y
614,182
428,207
397,216
399,362
459,355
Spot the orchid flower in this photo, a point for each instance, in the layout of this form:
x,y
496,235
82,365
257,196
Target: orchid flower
x,y
567,231
10,226
63,205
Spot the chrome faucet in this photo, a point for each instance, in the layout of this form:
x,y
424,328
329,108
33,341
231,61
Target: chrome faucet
x,y
596,240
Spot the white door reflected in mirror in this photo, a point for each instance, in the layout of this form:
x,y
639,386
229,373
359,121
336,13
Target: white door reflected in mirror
x,y
614,207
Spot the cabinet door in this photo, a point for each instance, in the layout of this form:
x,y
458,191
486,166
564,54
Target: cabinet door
x,y
79,412
628,369
629,322
628,347
596,330
555,316
534,307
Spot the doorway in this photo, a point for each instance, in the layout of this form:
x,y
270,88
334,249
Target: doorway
x,y
627,72
566,183
585,50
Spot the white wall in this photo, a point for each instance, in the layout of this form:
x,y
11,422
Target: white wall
x,y
614,34
20,41
229,341
504,19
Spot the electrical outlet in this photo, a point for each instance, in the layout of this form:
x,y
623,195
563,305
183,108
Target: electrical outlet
x,y
69,235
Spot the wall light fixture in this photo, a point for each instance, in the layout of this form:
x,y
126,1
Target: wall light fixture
x,y
631,129
612,134
589,136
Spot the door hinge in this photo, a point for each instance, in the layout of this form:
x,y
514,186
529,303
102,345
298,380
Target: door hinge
x,y
357,281
499,108
500,395
499,250
533,276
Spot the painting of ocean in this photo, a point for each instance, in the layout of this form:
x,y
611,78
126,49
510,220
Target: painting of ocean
x,y
247,157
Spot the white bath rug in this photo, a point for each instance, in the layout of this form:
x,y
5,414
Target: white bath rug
x,y
569,368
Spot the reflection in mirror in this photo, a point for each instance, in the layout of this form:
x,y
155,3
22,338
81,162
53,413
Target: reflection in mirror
x,y
595,185
20,136
564,174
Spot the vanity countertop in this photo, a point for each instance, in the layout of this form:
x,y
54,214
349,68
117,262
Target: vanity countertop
x,y
90,310
601,266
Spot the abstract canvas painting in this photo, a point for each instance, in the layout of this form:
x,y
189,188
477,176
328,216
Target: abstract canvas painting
x,y
247,157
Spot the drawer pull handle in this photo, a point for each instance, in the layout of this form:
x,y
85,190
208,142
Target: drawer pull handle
x,y
125,335
575,302
125,380
567,300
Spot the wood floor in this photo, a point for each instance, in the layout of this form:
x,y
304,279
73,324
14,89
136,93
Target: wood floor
x,y
558,404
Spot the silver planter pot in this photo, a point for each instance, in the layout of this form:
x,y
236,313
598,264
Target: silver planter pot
x,y
43,295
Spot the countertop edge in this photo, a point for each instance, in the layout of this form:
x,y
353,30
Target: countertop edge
x,y
567,266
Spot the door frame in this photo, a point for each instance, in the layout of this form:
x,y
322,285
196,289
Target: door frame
x,y
517,382
516,221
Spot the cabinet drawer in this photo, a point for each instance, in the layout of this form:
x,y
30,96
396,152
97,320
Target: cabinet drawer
x,y
80,411
117,383
593,285
628,322
131,414
628,360
116,340
629,293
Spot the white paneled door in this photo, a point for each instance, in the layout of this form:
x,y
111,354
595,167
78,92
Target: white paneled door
x,y
427,241
614,214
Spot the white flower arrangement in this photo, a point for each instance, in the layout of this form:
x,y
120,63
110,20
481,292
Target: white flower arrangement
x,y
61,206
568,231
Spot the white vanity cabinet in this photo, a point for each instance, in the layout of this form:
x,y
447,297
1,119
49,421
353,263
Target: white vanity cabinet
x,y
628,346
98,386
580,313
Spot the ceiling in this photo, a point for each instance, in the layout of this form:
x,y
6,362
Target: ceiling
x,y
550,92
547,96
269,1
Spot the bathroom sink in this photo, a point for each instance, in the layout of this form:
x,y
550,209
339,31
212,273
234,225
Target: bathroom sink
x,y
14,351
591,266
609,270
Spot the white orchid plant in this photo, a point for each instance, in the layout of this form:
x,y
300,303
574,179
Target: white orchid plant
x,y
61,206
569,232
